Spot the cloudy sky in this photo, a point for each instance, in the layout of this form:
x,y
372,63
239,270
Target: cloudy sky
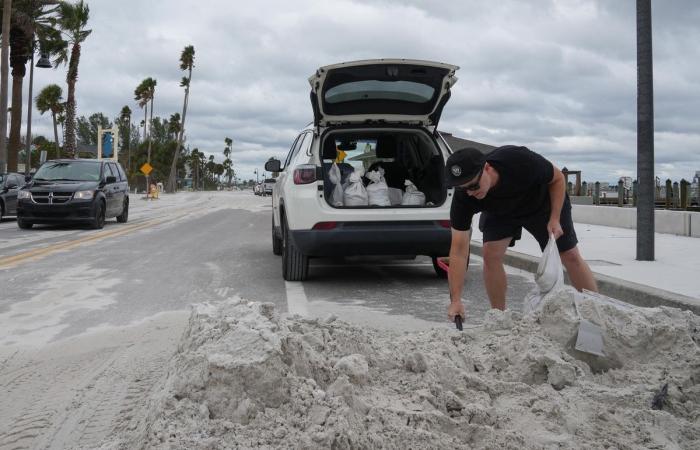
x,y
558,76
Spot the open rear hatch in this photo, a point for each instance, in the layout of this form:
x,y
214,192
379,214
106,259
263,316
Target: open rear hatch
x,y
395,91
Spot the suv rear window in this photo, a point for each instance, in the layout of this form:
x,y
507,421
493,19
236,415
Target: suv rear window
x,y
407,91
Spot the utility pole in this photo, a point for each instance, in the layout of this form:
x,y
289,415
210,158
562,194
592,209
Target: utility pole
x,y
4,68
645,134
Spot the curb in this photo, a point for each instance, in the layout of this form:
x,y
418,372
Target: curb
x,y
628,291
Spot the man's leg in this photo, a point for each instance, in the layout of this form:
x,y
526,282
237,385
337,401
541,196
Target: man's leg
x,y
579,273
494,273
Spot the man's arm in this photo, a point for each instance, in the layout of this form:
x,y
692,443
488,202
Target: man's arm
x,y
557,191
459,255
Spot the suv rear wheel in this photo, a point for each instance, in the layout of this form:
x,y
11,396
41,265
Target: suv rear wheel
x,y
124,216
276,242
295,265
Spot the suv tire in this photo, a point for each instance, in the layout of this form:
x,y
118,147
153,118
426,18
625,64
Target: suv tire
x,y
98,222
124,216
23,224
276,242
295,265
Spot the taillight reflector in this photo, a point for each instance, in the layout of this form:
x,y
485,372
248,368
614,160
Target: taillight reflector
x,y
445,223
325,226
305,174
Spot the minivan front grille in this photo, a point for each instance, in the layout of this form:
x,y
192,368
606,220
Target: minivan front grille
x,y
51,198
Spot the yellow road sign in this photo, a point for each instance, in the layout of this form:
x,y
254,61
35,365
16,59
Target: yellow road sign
x,y
146,169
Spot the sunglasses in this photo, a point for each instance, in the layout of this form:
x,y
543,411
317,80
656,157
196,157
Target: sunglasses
x,y
476,184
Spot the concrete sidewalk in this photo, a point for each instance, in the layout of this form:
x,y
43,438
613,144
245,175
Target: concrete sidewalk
x,y
673,279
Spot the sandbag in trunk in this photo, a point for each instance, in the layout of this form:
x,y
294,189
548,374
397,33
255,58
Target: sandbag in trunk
x,y
355,193
377,190
412,196
336,195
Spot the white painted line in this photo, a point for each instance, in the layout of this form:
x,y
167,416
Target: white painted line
x,y
297,303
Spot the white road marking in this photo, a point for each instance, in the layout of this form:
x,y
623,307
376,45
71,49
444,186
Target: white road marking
x,y
297,303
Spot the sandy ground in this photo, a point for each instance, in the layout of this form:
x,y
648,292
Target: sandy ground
x,y
73,393
245,378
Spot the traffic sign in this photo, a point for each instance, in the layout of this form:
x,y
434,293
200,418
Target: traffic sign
x,y
146,168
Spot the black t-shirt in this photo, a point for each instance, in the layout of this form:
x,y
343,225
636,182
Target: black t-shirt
x,y
521,192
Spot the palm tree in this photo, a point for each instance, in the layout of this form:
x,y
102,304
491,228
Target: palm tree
x,y
30,19
227,161
72,20
174,125
194,166
50,99
186,63
125,121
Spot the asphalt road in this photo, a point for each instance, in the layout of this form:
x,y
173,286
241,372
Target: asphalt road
x,y
203,248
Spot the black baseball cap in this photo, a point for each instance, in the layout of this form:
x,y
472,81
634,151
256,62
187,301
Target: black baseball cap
x,y
463,165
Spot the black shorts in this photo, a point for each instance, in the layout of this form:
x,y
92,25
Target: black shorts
x,y
495,228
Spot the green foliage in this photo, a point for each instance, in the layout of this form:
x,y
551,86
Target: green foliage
x,y
50,99
86,129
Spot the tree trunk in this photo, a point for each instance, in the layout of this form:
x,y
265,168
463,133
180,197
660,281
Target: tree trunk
x,y
645,134
4,69
15,124
69,144
55,135
20,46
172,179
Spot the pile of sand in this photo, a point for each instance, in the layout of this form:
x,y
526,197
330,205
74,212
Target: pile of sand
x,y
245,378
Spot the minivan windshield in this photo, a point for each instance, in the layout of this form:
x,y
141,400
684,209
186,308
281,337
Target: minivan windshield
x,y
69,171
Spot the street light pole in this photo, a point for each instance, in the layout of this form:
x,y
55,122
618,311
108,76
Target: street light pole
x,y
43,63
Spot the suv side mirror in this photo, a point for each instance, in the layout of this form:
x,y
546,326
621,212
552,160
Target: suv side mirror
x,y
111,179
273,165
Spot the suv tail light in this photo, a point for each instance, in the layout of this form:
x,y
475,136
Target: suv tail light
x,y
305,174
445,223
325,226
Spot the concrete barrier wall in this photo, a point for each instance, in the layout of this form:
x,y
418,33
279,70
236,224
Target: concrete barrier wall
x,y
682,223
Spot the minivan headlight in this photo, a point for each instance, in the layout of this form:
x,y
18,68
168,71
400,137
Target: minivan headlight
x,y
23,195
83,195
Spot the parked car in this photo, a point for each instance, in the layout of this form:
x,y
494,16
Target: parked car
x,y
268,184
9,186
258,189
84,191
367,114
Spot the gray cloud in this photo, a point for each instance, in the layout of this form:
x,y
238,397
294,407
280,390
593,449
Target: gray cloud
x,y
556,75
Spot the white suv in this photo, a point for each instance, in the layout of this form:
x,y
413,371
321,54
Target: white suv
x,y
367,114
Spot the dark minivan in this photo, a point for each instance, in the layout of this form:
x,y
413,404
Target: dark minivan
x,y
74,191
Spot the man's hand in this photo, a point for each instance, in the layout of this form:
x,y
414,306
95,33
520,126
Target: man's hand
x,y
554,227
455,308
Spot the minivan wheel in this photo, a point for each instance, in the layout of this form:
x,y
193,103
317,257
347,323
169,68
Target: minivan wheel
x,y
438,270
295,265
276,242
124,216
98,222
23,224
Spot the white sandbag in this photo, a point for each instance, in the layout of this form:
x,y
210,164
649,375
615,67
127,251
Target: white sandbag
x,y
336,196
395,196
549,277
377,190
355,193
412,196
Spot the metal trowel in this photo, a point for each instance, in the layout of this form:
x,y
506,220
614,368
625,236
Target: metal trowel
x,y
590,335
